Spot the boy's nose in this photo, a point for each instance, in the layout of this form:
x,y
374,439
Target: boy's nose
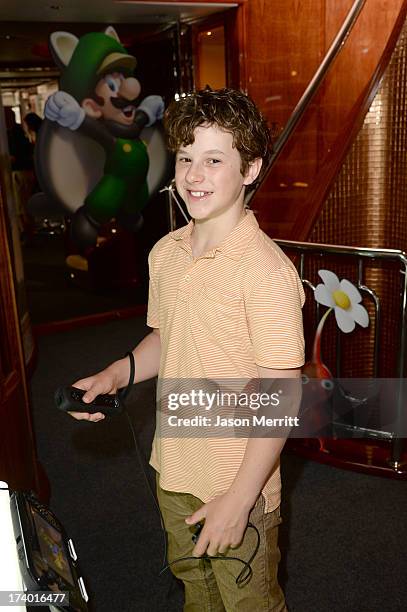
x,y
194,174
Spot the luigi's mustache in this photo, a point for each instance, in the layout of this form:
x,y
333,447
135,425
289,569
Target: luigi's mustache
x,y
120,103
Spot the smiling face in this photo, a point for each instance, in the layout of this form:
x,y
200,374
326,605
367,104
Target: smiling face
x,y
208,174
115,96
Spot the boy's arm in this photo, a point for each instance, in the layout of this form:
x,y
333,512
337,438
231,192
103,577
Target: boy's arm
x,y
147,355
147,358
227,515
262,453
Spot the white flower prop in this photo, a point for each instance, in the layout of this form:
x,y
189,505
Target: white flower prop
x,y
344,298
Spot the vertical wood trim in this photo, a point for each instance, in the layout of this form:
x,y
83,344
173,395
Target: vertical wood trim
x,y
16,383
9,289
241,44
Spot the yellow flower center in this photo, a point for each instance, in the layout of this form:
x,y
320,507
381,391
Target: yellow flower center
x,y
341,299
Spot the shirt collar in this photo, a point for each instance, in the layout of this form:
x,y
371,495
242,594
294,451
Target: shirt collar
x,y
233,246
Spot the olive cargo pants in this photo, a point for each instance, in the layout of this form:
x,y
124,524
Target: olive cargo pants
x,y
210,585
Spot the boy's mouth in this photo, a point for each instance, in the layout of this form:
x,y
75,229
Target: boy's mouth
x,y
199,195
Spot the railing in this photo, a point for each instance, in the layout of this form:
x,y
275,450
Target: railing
x,y
361,255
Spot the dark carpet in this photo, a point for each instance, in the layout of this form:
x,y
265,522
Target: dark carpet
x,y
344,536
53,296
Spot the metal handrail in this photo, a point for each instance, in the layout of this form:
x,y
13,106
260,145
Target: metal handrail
x,y
372,253
317,247
369,253
312,88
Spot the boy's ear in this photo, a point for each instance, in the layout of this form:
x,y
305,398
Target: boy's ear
x,y
253,171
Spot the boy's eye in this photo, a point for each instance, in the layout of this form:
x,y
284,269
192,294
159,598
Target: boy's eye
x,y
112,84
213,161
183,160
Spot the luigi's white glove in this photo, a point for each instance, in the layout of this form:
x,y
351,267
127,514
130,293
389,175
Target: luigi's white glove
x,y
153,107
65,110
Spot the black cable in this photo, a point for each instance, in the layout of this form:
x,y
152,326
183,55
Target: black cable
x,y
243,576
123,393
142,461
247,572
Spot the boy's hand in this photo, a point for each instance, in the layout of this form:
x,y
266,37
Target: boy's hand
x,y
225,523
103,382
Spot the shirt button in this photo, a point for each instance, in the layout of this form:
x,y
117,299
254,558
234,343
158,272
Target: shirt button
x,y
127,147
187,277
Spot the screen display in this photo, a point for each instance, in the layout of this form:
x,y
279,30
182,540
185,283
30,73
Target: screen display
x,y
52,553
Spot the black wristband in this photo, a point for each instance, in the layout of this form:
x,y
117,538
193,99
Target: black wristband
x,y
124,392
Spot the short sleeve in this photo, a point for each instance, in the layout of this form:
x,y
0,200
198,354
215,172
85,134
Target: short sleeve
x,y
274,319
152,309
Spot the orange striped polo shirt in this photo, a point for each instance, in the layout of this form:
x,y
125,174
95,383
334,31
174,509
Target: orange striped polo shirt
x,y
220,315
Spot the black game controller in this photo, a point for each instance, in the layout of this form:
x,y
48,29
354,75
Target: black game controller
x,y
69,399
197,530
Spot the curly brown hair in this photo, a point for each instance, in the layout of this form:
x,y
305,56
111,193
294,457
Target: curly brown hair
x,y
229,109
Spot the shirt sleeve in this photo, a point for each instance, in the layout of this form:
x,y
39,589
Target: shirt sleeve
x,y
274,318
152,309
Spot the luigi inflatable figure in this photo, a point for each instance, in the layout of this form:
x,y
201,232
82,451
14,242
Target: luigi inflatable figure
x,y
90,157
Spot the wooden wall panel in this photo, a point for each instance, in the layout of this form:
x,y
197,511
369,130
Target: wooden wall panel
x,y
357,64
285,43
283,49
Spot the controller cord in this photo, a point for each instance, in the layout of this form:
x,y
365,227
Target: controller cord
x,y
123,393
247,572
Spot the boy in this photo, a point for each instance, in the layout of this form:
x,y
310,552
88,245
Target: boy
x,y
224,302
